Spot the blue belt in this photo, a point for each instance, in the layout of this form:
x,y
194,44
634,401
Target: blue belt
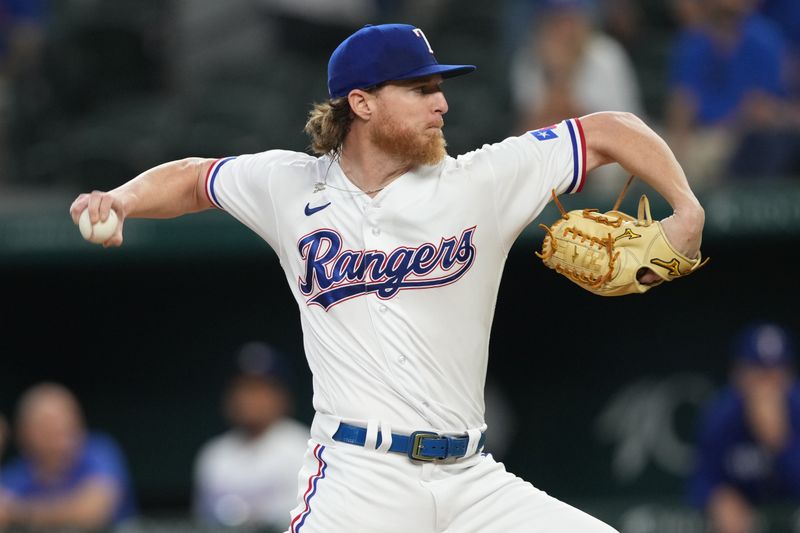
x,y
420,445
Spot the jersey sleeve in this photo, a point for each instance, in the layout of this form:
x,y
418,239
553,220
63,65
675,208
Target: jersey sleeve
x,y
242,186
525,169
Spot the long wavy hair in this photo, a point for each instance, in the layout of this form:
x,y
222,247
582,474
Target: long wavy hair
x,y
328,124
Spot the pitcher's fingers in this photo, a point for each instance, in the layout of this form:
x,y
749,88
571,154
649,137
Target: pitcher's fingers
x,y
94,206
647,277
105,206
78,206
116,239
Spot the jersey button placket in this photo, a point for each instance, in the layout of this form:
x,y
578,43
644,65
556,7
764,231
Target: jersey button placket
x,y
379,310
371,223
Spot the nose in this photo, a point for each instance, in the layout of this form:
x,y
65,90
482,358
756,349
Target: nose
x,y
440,103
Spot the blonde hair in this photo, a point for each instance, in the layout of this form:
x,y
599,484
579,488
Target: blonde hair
x,y
328,124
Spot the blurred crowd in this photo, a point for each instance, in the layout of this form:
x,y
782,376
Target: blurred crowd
x,y
67,475
730,105
248,475
748,438
91,93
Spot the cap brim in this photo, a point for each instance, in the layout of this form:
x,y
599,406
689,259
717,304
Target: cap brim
x,y
446,71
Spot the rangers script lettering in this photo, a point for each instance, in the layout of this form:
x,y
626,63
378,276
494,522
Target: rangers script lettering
x,y
344,274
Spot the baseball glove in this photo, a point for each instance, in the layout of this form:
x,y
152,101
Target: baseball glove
x,y
605,253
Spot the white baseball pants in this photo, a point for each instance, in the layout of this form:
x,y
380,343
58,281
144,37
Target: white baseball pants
x,y
349,489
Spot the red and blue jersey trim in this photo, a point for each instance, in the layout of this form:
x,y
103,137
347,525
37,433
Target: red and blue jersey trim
x,y
578,155
211,177
300,519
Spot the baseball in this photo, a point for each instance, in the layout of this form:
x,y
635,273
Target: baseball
x,y
99,232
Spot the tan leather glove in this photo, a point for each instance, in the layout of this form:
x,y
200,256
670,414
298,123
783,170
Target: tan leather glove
x,y
605,252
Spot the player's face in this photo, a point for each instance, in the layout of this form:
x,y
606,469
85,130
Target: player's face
x,y
409,120
51,434
753,379
252,404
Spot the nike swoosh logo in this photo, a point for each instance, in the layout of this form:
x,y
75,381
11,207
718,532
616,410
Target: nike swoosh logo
x,y
311,210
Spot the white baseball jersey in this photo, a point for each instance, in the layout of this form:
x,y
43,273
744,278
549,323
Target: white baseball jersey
x,y
250,481
397,292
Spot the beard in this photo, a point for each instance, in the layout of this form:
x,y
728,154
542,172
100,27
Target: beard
x,y
407,145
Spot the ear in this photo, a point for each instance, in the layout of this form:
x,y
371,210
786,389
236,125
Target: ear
x,y
362,103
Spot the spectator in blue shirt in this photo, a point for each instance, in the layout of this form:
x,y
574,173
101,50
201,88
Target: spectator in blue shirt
x,y
728,95
786,14
66,477
21,30
749,437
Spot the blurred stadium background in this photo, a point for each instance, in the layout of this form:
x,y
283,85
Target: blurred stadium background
x,y
598,397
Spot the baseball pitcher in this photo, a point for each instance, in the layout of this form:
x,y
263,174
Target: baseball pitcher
x,y
394,252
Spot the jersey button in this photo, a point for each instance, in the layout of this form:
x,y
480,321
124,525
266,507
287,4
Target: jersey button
x,y
376,231
383,309
402,359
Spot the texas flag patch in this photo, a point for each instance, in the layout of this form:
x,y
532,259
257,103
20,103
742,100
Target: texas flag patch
x,y
544,134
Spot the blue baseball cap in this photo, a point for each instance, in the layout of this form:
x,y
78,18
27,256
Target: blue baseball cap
x,y
261,360
386,52
764,344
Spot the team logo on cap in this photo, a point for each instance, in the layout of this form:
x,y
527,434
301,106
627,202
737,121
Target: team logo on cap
x,y
333,274
418,32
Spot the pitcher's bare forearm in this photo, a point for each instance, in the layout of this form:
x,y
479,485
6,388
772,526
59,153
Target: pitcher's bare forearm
x,y
627,140
89,506
166,191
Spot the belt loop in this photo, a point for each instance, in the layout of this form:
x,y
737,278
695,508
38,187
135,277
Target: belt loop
x,y
474,441
386,437
371,440
324,427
